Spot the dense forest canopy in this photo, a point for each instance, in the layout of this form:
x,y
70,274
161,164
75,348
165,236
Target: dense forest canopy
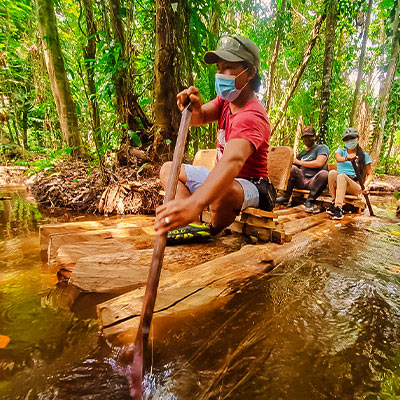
x,y
85,77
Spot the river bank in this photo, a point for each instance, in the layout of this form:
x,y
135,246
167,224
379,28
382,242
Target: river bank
x,y
133,189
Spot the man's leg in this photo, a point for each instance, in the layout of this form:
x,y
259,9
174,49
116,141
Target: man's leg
x,y
296,180
317,184
225,208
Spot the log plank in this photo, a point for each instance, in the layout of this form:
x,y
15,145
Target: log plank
x,y
45,231
120,272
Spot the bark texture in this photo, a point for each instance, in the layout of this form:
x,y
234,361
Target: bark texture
x,y
58,77
128,108
173,70
90,54
330,39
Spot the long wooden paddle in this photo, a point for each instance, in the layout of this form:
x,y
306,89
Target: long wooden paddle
x,y
359,178
136,371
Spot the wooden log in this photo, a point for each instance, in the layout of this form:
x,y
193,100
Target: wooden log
x,y
204,286
69,254
216,276
119,272
300,225
83,226
289,210
254,220
260,213
57,240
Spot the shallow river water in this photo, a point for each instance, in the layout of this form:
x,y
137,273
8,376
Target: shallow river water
x,y
325,325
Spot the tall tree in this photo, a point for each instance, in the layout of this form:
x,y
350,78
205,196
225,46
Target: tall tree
x,y
356,97
89,53
379,126
128,108
171,29
272,71
330,39
58,77
295,79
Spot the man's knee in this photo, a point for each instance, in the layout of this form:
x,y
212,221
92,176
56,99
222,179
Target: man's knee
x,y
323,175
164,172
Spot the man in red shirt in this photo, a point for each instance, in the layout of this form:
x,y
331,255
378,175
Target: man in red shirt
x,y
240,174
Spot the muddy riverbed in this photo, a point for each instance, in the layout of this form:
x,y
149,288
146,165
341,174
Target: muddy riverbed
x,y
322,326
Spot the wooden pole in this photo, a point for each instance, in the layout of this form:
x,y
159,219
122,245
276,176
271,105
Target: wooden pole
x,y
136,371
359,178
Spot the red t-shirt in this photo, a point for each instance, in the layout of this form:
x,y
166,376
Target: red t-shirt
x,y
250,123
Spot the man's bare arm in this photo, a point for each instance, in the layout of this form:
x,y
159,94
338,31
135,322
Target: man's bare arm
x,y
319,162
183,211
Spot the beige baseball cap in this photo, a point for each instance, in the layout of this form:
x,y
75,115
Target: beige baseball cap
x,y
235,49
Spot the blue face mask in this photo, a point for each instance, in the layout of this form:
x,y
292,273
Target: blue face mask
x,y
351,144
225,86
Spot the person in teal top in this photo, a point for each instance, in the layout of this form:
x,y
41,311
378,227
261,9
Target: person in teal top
x,y
344,179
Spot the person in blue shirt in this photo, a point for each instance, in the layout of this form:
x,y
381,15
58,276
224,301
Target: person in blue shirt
x,y
344,179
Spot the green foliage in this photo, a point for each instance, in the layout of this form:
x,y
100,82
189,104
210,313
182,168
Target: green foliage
x,y
29,103
46,164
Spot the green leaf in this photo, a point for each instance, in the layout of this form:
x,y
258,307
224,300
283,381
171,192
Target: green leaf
x,y
142,167
396,195
136,139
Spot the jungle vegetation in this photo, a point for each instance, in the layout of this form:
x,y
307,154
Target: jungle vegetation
x,y
81,78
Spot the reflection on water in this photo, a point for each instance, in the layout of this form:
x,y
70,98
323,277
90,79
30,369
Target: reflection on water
x,y
323,326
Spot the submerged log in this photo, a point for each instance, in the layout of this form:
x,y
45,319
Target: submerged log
x,y
119,272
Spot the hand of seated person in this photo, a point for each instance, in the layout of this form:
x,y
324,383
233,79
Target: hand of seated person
x,y
351,157
365,191
296,161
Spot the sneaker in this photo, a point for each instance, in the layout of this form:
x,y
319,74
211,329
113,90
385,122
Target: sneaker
x,y
311,208
331,209
189,234
283,199
338,213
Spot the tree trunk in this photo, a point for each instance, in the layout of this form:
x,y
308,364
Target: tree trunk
x,y
58,77
129,110
294,81
330,39
392,133
25,109
90,55
297,137
171,30
356,98
274,59
379,126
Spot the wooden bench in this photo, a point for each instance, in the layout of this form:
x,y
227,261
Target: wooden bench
x,y
255,222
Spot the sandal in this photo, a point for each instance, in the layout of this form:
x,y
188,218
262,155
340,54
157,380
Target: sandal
x,y
189,234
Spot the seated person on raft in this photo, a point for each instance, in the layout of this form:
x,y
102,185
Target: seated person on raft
x,y
308,172
242,147
344,179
